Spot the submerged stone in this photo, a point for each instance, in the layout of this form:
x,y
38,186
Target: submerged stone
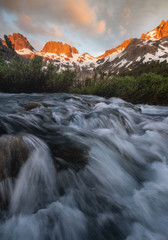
x,y
31,106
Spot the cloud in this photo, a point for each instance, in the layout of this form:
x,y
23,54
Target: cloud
x,y
78,14
26,23
100,27
109,31
5,26
84,16
58,34
123,30
125,16
93,25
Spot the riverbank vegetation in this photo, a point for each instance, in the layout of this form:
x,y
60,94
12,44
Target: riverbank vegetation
x,y
148,88
146,84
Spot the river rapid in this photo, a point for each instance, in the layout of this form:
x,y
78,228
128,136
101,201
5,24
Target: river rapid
x,y
96,169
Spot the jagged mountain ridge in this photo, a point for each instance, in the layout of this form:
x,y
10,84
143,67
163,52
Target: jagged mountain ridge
x,y
138,51
118,49
58,52
19,42
58,48
52,51
159,32
151,46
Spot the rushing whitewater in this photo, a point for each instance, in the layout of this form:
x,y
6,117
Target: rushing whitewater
x,y
96,169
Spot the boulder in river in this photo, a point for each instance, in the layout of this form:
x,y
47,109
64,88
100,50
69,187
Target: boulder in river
x,y
69,157
13,152
31,106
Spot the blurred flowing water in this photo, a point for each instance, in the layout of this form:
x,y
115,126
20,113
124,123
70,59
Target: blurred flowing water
x,y
116,188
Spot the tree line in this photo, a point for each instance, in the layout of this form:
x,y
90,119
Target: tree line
x,y
24,75
147,84
148,88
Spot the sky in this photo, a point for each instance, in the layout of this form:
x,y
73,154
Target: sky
x,y
92,26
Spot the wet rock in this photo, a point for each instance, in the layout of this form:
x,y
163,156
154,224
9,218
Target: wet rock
x,y
5,194
2,129
13,152
31,106
69,157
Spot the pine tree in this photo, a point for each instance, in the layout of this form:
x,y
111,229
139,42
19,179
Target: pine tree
x,y
9,43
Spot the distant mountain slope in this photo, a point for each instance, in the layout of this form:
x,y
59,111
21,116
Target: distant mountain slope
x,y
138,51
116,50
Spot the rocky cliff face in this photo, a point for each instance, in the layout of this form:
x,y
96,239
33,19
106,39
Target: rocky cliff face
x,y
157,33
59,48
20,42
3,42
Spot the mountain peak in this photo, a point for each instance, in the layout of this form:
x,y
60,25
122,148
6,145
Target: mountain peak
x,y
157,33
59,48
162,22
20,42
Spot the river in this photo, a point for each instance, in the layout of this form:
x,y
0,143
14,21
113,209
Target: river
x,y
96,169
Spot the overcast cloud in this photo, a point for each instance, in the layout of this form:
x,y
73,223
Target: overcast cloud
x,y
89,25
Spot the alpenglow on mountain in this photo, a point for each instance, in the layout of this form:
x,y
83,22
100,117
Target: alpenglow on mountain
x,y
152,46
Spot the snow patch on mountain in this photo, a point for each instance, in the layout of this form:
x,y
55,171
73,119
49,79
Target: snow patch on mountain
x,y
138,59
151,34
24,51
122,63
